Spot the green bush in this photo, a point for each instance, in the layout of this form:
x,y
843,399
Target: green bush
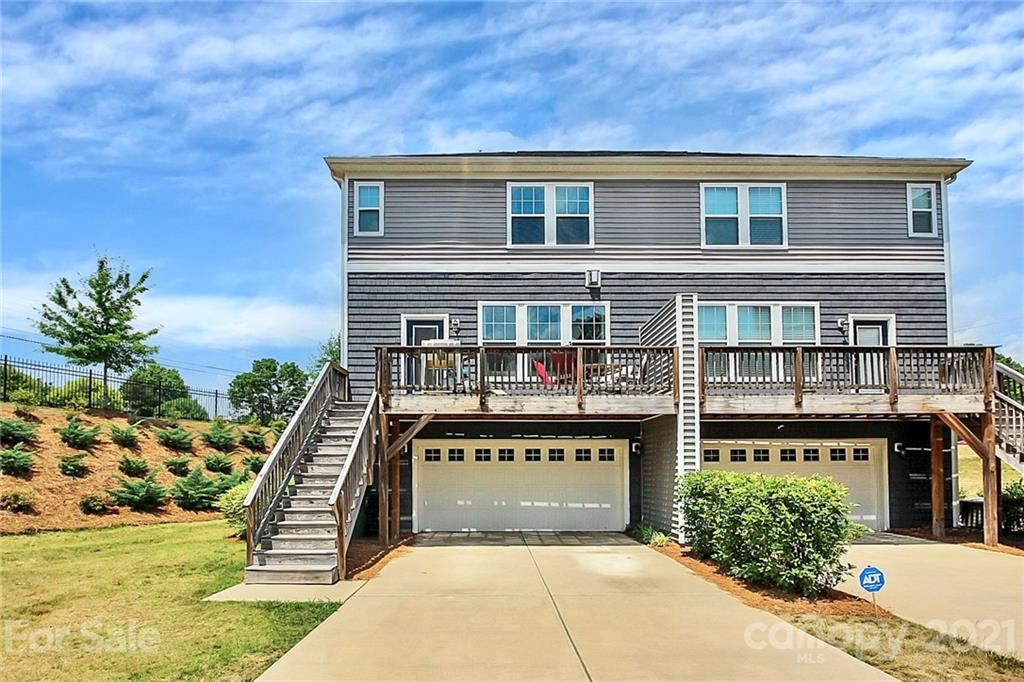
x,y
18,501
195,492
24,400
785,532
183,408
16,461
94,504
648,535
151,385
73,465
77,394
278,426
254,440
175,438
254,463
144,495
221,437
218,463
230,505
76,436
1013,506
178,465
14,431
229,481
134,467
128,437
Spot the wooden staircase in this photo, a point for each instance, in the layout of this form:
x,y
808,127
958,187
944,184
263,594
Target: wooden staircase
x,y
1008,405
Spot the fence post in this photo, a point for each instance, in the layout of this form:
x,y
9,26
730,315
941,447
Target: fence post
x,y
88,394
216,402
5,378
159,397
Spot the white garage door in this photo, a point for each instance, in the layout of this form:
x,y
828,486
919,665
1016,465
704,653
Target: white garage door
x,y
857,464
570,484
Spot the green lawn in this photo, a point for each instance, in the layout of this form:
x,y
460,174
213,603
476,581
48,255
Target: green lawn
x,y
970,472
124,603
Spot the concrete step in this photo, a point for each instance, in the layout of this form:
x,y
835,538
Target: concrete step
x,y
294,557
292,527
307,541
319,574
319,513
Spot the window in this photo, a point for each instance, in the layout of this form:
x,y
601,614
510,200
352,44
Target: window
x,y
812,455
757,323
543,323
456,455
738,455
369,206
606,454
583,454
837,454
432,454
588,323
743,214
711,324
556,455
787,455
499,323
506,454
483,455
860,455
761,455
711,455
549,324
550,214
921,219
754,324
799,324
531,454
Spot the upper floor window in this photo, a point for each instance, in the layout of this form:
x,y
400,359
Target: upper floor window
x,y
757,323
550,214
369,209
743,214
921,220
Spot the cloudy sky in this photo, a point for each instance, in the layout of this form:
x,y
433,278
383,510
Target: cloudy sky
x,y
189,139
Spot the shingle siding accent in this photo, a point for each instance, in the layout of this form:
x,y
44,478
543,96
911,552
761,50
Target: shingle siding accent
x,y
658,454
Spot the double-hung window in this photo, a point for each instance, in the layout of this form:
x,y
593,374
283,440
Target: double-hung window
x,y
921,214
757,323
743,214
550,214
369,209
543,324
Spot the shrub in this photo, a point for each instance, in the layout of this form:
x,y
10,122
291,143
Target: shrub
x,y
254,463
648,535
230,505
195,491
134,467
24,400
16,461
229,481
76,436
73,465
128,437
218,463
175,438
94,504
14,431
1013,506
144,495
221,437
278,426
254,440
18,501
82,393
151,385
177,465
785,532
183,408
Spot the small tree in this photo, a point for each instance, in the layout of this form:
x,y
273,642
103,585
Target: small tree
x,y
270,391
330,351
150,385
93,324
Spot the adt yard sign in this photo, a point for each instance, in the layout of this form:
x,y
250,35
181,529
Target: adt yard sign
x,y
872,579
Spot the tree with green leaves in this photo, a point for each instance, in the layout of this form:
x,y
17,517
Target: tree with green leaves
x,y
151,385
93,324
330,351
270,391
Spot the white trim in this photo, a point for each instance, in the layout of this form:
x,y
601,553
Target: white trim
x,y
565,322
355,208
744,216
732,321
930,186
550,214
506,263
345,267
888,319
944,194
412,317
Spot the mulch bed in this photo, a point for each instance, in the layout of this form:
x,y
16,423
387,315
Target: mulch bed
x,y
1009,543
366,557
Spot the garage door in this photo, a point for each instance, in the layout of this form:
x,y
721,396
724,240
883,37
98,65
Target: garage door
x,y
859,465
570,484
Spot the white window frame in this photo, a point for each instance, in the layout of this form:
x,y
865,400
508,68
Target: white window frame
x,y
732,322
355,208
743,205
565,323
887,319
550,215
930,186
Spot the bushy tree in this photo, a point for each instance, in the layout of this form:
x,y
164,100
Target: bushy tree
x,y
330,351
184,408
150,385
270,391
93,324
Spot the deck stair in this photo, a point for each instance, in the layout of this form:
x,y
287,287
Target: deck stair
x,y
1009,416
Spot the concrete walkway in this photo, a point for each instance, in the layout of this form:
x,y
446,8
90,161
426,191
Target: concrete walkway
x,y
553,607
973,593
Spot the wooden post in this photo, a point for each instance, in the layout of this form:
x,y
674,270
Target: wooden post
x,y
675,376
342,533
579,378
999,488
394,486
798,376
702,371
382,483
988,370
481,377
938,481
894,378
990,483
250,528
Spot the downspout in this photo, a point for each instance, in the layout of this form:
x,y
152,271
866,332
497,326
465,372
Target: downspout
x,y
954,463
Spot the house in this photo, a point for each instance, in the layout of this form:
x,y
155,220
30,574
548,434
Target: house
x,y
546,340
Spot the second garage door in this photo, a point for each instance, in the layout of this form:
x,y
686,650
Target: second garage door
x,y
498,485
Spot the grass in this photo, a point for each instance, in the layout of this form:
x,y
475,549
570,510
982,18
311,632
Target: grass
x,y
970,471
140,588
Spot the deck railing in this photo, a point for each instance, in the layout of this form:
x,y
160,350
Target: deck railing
x,y
1009,409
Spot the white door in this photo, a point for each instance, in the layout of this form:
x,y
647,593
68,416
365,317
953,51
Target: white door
x,y
857,464
499,485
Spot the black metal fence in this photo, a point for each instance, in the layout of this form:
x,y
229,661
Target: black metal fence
x,y
41,383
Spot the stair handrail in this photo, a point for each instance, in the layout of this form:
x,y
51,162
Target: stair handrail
x,y
1014,376
346,496
272,481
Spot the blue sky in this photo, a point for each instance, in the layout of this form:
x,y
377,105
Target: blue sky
x,y
189,139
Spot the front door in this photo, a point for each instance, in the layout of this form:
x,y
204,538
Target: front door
x,y
417,331
870,367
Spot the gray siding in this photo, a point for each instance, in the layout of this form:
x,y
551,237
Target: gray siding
x,y
660,329
658,466
376,302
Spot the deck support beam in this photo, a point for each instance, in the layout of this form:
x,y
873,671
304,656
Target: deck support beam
x,y
985,447
382,482
394,487
938,481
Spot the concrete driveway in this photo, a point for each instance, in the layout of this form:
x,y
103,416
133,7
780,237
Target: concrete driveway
x,y
973,593
555,607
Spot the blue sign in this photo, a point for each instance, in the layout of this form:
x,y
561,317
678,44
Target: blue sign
x,y
872,579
